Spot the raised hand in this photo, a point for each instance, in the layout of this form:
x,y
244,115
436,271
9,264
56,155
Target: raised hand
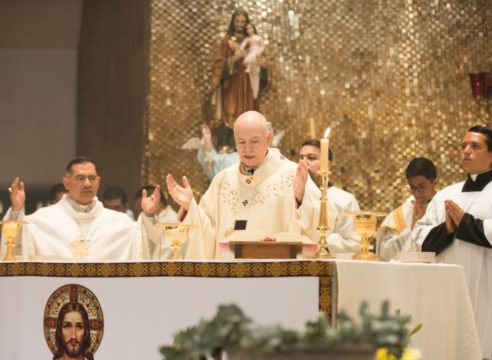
x,y
150,202
300,181
17,194
183,195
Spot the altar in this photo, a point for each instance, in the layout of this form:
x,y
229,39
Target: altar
x,y
144,304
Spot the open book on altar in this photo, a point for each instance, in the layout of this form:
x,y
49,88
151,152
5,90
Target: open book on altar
x,y
260,235
257,244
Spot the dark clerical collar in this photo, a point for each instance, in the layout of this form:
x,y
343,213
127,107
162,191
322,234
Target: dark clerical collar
x,y
476,182
247,170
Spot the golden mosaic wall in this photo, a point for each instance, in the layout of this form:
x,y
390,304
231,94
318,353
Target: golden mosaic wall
x,y
390,77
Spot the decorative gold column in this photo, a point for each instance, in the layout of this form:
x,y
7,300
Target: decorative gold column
x,y
323,227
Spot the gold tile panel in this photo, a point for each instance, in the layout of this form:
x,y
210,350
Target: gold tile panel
x,y
390,78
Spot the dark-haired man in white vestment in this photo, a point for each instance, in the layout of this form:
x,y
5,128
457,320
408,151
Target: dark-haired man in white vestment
x,y
458,227
78,227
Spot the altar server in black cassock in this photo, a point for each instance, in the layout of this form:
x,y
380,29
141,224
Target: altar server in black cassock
x,y
458,227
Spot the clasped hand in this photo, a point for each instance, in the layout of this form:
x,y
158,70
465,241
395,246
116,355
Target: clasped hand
x,y
418,212
454,215
300,181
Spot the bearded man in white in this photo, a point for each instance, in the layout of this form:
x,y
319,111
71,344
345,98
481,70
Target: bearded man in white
x,y
78,227
263,191
458,227
342,237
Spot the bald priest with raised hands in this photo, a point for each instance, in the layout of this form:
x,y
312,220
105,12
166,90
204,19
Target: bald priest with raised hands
x,y
78,227
263,191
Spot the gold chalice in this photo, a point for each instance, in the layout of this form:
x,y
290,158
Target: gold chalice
x,y
10,229
176,233
365,225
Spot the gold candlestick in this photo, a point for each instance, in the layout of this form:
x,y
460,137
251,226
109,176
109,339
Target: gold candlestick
x,y
10,229
323,228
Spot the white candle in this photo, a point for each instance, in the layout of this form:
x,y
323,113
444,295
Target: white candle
x,y
312,128
325,148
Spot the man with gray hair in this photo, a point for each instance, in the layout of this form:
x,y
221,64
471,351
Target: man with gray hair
x,y
263,191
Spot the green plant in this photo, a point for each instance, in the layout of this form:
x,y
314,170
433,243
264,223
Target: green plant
x,y
228,329
231,329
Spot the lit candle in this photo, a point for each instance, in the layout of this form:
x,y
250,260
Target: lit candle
x,y
325,148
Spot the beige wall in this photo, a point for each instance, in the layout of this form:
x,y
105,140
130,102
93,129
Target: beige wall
x,y
112,86
73,82
38,62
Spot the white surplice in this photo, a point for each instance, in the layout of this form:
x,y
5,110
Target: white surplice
x,y
265,200
343,238
69,231
160,249
343,199
476,260
167,215
394,234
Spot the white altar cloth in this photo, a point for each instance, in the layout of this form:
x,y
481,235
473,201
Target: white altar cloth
x,y
143,313
434,294
144,304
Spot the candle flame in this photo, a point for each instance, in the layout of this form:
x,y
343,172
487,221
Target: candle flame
x,y
327,133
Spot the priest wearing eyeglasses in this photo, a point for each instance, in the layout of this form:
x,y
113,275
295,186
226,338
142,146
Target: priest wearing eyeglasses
x,y
394,233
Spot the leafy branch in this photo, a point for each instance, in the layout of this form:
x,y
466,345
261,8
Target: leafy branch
x,y
232,330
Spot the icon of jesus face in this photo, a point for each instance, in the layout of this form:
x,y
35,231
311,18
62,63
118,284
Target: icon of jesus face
x,y
73,333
